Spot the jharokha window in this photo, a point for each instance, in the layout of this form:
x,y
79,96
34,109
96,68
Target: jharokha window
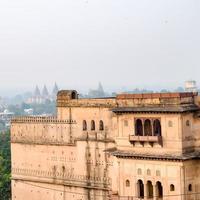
x,y
157,127
148,127
139,127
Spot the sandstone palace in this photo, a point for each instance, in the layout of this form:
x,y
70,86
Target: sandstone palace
x,y
130,147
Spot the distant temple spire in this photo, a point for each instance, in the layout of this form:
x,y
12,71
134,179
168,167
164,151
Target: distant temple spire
x,y
99,92
100,88
55,90
45,92
41,97
37,91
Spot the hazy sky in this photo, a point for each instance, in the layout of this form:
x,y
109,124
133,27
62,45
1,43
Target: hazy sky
x,y
131,43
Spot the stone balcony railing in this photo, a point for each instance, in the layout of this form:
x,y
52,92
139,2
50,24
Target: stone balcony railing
x,y
145,139
32,119
95,136
76,179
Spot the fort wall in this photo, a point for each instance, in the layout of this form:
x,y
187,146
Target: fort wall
x,y
142,146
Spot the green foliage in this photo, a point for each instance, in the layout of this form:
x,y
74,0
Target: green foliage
x,y
5,166
2,126
16,109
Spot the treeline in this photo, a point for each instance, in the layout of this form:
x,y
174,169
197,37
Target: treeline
x,y
5,166
38,109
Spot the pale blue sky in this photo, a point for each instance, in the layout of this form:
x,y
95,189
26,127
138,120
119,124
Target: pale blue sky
x,y
132,43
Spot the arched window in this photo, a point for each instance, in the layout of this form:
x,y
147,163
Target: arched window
x,y
138,127
84,125
92,125
190,187
101,126
159,189
172,188
73,95
157,127
149,189
140,187
147,127
127,183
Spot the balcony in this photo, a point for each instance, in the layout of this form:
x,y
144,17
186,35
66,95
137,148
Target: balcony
x,y
146,139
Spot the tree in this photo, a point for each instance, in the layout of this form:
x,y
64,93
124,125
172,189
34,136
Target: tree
x,y
5,166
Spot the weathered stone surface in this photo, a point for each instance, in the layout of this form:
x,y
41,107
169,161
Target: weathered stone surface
x,y
152,139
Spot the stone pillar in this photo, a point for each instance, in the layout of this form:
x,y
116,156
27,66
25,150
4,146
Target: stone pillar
x,y
154,192
152,127
142,127
119,178
136,190
145,191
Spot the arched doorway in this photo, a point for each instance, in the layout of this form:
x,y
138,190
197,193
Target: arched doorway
x,y
138,127
159,189
140,187
147,127
157,127
149,189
